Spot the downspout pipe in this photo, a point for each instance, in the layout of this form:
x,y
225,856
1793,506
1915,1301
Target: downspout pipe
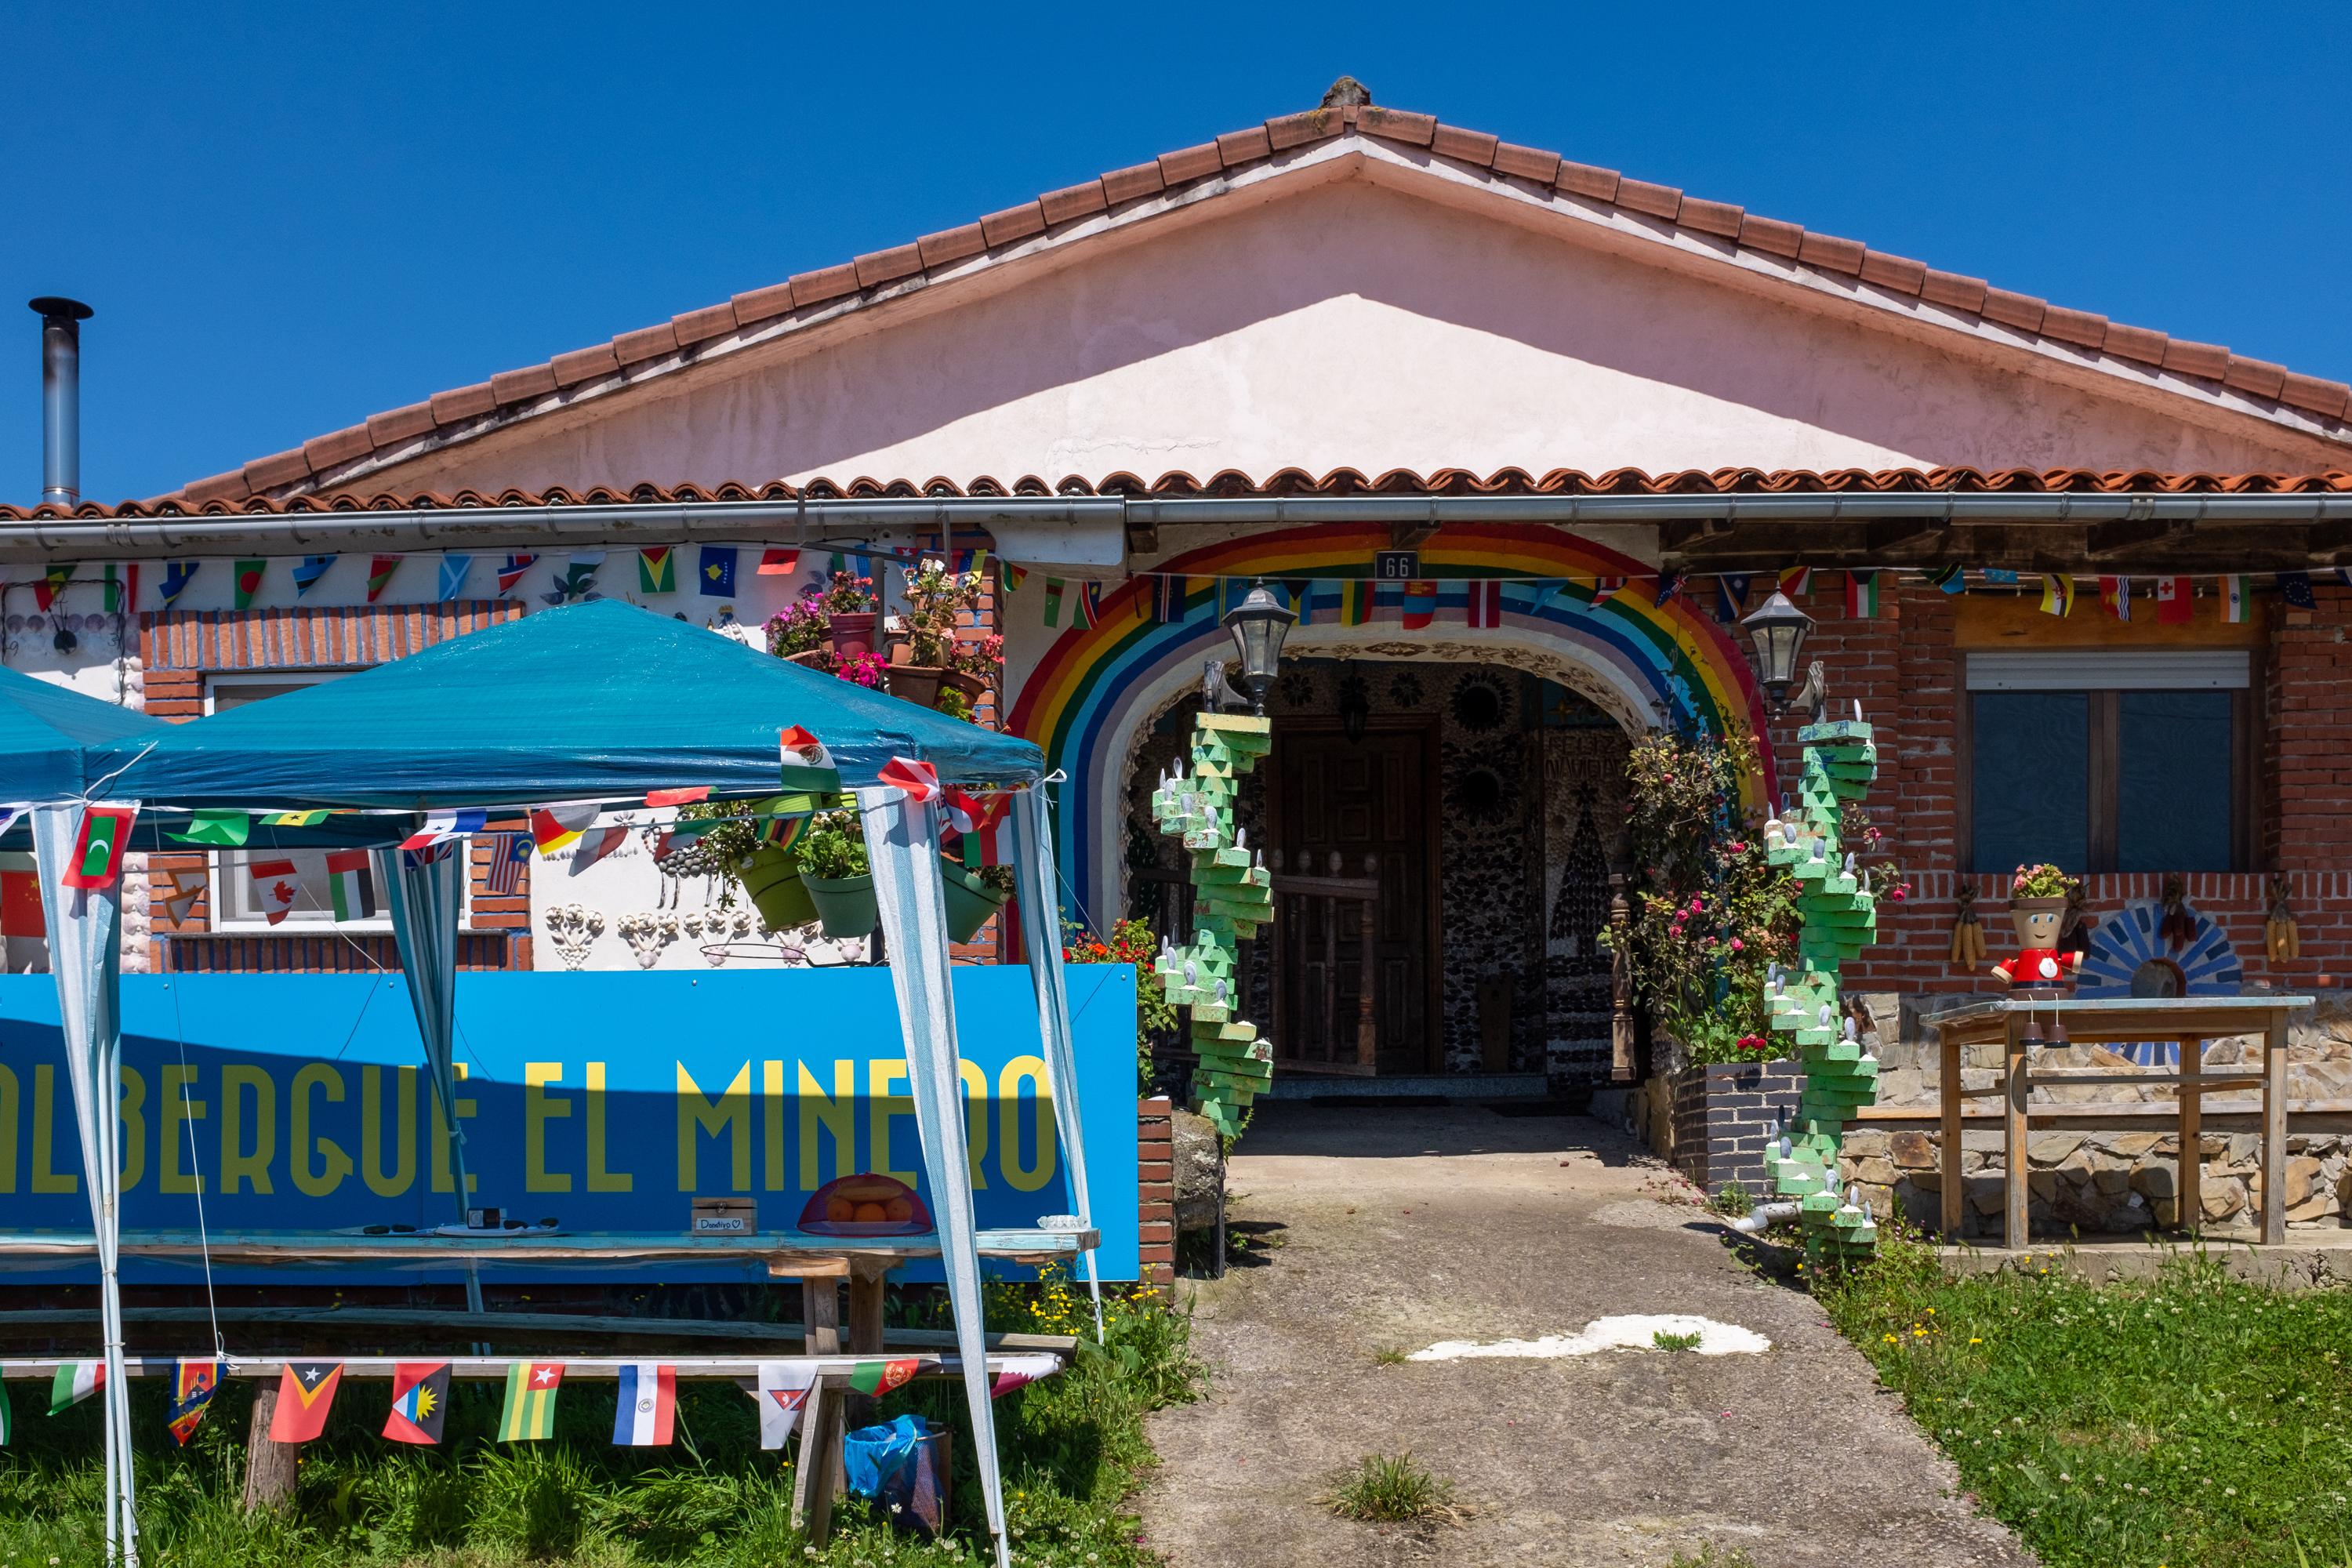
x,y
61,320
1760,1218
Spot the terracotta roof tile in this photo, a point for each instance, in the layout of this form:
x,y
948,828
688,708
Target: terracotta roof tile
x,y
1586,180
397,425
1658,201
876,267
463,402
230,487
1072,203
1832,254
1525,162
700,326
1396,124
1898,273
337,447
1187,164
2075,327
830,282
595,363
2022,311
1132,184
282,468
515,385
647,343
1236,148
1239,149
953,244
1711,218
1466,146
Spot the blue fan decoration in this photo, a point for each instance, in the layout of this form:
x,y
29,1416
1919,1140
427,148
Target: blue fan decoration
x,y
2126,942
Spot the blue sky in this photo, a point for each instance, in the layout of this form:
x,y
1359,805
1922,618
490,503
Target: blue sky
x,y
292,217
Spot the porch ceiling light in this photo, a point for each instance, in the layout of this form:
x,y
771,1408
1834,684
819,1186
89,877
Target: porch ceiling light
x,y
1259,623
1779,629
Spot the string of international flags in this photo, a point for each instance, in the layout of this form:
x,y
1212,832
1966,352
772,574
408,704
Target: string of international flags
x,y
644,1407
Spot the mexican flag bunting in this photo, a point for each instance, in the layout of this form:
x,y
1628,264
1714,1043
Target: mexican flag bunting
x,y
275,885
1485,609
1013,1371
1607,588
658,569
193,1386
782,1389
2114,596
2237,598
1356,602
380,571
528,1414
308,570
440,826
177,575
777,562
802,749
1054,586
1861,595
510,573
53,582
2174,606
305,1393
97,851
453,575
420,1402
351,885
249,581
878,1377
1419,604
75,1381
1731,596
2057,593
2294,588
554,827
227,829
646,1408
121,588
1796,581
1949,579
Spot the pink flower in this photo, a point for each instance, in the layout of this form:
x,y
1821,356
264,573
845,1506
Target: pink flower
x,y
1738,847
1675,929
1737,945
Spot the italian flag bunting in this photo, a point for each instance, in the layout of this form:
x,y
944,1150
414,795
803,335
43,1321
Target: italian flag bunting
x,y
528,1414
97,852
1861,595
351,885
75,1381
121,588
2237,598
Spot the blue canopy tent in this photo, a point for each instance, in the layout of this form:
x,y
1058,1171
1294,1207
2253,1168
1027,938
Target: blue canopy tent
x,y
47,733
602,701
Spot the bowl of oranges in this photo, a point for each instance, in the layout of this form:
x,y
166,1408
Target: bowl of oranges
x,y
865,1205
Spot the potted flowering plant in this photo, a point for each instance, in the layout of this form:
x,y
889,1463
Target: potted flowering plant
x,y
850,606
974,667
797,631
839,880
926,637
2037,904
973,894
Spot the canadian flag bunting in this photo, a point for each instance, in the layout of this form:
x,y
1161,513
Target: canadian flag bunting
x,y
920,780
276,884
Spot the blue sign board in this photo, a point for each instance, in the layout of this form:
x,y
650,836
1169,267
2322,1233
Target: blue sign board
x,y
607,1101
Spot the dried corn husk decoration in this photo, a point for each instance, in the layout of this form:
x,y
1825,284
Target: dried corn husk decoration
x,y
1968,934
2279,934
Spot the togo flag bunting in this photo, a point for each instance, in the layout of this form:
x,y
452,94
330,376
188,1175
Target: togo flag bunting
x,y
648,1406
304,1396
783,1389
193,1386
97,852
275,885
420,1402
351,885
1861,595
528,1414
75,1381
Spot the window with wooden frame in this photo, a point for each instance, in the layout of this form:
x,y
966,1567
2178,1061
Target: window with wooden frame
x,y
2108,758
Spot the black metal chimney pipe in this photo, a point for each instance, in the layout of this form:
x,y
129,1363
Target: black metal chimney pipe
x,y
61,322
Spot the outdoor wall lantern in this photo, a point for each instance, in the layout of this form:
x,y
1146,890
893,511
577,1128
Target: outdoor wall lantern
x,y
1778,630
1259,624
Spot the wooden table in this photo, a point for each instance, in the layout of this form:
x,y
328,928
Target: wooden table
x,y
2189,1021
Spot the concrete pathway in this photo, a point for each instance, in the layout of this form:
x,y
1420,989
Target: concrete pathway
x,y
1395,1228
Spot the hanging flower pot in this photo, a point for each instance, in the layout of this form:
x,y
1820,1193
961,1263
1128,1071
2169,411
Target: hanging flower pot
x,y
970,901
848,632
771,878
811,658
973,686
844,905
916,683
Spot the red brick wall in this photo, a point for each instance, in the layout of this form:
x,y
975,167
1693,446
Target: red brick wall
x,y
1905,667
1156,1176
181,648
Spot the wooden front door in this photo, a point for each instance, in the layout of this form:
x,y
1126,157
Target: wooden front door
x,y
1368,796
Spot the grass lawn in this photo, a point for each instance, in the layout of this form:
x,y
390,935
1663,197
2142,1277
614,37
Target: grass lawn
x,y
1072,1448
2186,1419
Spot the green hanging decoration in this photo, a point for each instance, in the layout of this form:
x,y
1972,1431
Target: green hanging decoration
x,y
1840,918
1234,897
